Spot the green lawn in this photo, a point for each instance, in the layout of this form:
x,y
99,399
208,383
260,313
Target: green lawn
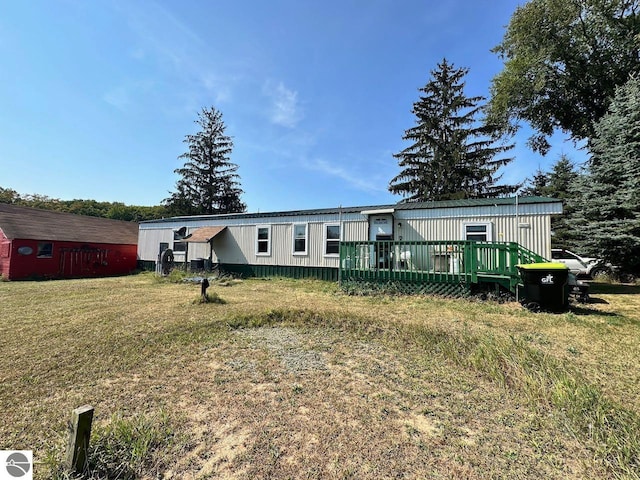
x,y
292,379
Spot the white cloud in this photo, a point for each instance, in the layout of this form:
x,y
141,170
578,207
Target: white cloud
x,y
217,85
177,50
285,109
117,97
359,181
121,96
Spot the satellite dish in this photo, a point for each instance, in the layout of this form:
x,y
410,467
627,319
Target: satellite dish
x,y
166,261
180,232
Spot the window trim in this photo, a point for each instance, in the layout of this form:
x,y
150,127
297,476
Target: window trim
x,y
489,230
326,240
306,239
268,240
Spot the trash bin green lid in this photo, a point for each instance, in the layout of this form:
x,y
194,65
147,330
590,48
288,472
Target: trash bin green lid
x,y
543,266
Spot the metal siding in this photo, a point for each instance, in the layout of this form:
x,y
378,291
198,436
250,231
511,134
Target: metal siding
x,y
536,237
194,223
482,211
355,231
198,250
237,244
149,242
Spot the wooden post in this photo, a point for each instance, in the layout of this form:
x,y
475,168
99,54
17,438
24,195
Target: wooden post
x,y
79,435
203,289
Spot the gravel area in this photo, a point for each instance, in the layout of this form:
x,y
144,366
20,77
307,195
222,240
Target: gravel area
x,y
290,346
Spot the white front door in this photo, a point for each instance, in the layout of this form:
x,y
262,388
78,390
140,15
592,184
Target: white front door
x,y
380,226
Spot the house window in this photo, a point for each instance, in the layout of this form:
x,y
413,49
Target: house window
x,y
300,232
178,244
45,249
331,240
479,232
263,240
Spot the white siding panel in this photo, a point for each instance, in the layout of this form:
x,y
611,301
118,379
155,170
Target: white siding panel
x,y
237,244
149,243
483,211
533,232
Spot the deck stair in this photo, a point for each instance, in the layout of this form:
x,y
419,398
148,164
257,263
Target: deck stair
x,y
435,265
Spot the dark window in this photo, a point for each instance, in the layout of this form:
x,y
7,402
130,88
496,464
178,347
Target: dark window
x,y
478,233
45,249
179,246
263,240
300,239
332,240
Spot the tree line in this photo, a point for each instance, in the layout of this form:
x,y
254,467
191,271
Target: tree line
x,y
92,208
569,65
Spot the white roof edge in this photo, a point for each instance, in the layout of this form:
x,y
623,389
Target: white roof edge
x,y
378,212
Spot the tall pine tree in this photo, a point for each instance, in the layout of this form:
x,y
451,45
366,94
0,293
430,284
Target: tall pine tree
x,y
558,183
209,182
537,185
607,213
452,154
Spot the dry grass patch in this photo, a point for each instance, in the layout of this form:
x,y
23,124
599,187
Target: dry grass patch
x,y
375,387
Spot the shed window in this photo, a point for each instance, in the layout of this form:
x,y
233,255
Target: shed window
x,y
263,240
331,240
479,232
300,232
45,249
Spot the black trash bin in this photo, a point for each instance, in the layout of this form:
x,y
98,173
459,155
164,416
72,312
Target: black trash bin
x,y
544,286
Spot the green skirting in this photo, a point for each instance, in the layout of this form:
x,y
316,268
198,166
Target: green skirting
x,y
319,273
147,265
363,287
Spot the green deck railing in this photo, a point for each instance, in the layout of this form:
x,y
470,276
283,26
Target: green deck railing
x,y
445,261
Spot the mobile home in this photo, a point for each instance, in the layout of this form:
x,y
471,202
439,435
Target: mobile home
x,y
320,243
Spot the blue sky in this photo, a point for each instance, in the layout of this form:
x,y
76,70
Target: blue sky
x,y
97,96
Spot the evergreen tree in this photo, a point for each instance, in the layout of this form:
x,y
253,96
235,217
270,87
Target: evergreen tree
x,y
608,209
558,183
535,186
209,182
560,179
452,155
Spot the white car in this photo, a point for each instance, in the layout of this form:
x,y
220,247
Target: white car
x,y
581,266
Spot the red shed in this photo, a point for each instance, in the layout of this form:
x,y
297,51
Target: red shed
x,y
46,244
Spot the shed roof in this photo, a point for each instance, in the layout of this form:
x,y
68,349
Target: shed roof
x,y
35,224
470,202
204,234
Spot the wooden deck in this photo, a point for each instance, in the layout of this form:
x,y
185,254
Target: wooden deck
x,y
434,262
